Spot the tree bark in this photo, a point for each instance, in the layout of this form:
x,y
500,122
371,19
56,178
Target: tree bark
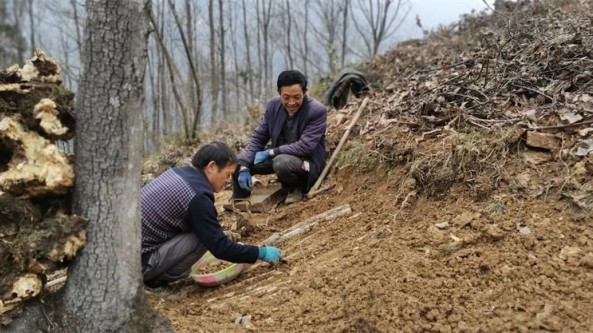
x,y
77,27
344,33
266,21
213,66
233,23
289,54
249,69
222,51
32,29
104,291
167,126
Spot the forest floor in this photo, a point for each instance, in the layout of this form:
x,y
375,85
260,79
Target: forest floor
x,y
467,214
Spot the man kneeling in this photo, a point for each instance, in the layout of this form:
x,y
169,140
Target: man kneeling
x,y
180,222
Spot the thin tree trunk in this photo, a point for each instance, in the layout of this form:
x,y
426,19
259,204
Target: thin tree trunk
x,y
260,54
289,36
32,26
306,38
213,65
234,42
267,16
223,89
344,33
249,68
68,77
20,43
154,130
167,126
189,32
77,27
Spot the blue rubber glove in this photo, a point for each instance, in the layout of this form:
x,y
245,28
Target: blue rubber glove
x,y
261,156
270,254
245,179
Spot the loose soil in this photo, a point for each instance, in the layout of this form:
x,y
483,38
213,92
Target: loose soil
x,y
211,267
460,222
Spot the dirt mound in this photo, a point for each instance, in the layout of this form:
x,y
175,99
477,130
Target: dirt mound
x,y
470,181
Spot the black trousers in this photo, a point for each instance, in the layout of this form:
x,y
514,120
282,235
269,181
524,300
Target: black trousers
x,y
288,168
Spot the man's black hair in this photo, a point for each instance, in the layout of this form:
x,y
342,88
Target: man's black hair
x,y
216,151
290,77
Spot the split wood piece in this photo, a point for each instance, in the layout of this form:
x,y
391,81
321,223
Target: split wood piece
x,y
262,200
329,164
307,225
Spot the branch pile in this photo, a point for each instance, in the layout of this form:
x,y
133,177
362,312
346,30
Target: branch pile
x,y
531,64
37,233
457,104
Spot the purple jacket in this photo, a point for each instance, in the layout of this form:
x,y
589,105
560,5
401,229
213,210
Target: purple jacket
x,y
311,122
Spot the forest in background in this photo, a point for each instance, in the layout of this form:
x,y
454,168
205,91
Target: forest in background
x,y
213,63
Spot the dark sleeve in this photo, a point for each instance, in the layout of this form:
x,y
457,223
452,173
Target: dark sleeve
x,y
313,133
204,223
259,139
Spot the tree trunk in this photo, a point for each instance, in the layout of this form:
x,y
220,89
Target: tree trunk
x,y
154,130
32,26
223,88
249,70
306,39
213,74
290,57
77,27
260,53
235,115
344,33
104,291
266,20
163,95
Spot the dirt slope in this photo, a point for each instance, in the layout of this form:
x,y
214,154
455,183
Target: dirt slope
x,y
468,215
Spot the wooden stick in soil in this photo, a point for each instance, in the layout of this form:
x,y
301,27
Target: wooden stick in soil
x,y
305,226
325,171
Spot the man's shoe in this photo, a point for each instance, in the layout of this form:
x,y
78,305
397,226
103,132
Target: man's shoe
x,y
154,284
294,196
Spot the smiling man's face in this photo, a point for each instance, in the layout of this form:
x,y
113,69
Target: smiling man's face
x,y
292,97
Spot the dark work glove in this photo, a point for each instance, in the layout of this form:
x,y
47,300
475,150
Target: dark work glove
x,y
245,179
261,156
